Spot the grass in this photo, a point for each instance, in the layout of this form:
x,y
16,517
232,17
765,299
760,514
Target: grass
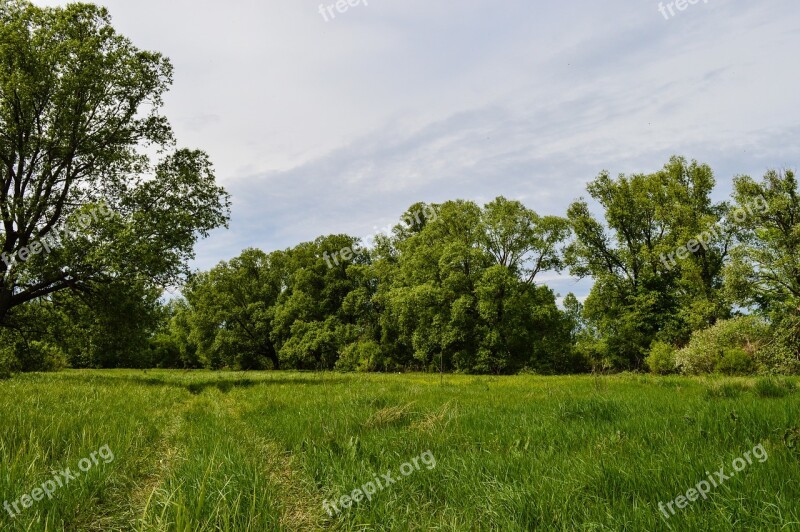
x,y
202,451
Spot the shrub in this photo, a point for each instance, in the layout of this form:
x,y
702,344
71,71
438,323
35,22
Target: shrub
x,y
19,352
41,356
661,359
781,355
777,358
727,339
361,356
736,361
8,362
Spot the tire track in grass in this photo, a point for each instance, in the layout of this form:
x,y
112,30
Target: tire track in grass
x,y
299,501
165,454
116,509
247,482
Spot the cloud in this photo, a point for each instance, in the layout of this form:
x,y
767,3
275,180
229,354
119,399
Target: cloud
x,y
320,128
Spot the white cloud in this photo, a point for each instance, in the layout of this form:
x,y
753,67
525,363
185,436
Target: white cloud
x,y
333,127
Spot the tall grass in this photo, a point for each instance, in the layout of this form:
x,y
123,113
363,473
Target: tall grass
x,y
200,451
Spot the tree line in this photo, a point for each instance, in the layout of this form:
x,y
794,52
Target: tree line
x,y
457,290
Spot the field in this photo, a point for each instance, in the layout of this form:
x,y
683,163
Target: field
x,y
201,451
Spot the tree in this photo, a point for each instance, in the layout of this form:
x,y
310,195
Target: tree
x,y
462,295
173,344
315,318
108,326
232,309
765,268
653,279
293,308
522,241
79,113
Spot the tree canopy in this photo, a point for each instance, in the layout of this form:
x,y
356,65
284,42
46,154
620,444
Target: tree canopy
x,y
82,203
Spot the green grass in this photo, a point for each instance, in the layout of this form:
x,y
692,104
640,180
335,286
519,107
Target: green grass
x,y
202,451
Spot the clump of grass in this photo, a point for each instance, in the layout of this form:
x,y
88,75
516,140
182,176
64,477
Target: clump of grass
x,y
440,418
671,382
791,439
771,387
725,390
590,409
391,415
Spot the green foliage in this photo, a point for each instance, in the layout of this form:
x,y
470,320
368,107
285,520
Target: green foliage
x,y
781,354
21,351
227,317
462,295
735,361
80,112
727,346
164,351
41,356
661,359
8,361
763,269
97,330
642,292
452,288
361,356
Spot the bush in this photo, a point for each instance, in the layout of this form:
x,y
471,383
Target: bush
x,y
8,362
736,361
778,358
17,353
661,359
41,356
781,356
361,356
724,346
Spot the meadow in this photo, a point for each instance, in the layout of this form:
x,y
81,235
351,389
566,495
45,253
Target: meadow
x,y
202,451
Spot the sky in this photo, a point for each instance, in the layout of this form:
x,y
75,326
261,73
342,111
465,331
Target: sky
x,y
321,124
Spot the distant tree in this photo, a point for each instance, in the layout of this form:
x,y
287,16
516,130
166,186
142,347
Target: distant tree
x,y
652,278
79,112
765,268
232,308
462,294
573,312
175,338
295,309
314,318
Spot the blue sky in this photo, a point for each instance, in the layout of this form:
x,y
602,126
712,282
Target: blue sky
x,y
322,127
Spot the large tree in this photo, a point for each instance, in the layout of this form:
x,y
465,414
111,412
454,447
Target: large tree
x,y
653,279
765,270
462,293
79,115
232,309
